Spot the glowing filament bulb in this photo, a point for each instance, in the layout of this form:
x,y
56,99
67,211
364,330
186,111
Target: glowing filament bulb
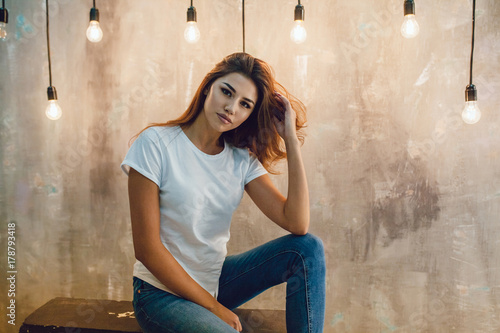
x,y
192,33
3,31
471,113
94,32
410,28
53,110
298,34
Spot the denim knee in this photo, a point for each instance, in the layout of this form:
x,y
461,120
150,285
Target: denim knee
x,y
311,246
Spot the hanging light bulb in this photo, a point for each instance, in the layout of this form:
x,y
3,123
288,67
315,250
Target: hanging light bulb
x,y
298,34
409,28
471,113
94,31
4,19
191,33
53,110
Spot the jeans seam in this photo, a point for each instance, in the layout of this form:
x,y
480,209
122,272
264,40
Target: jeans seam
x,y
149,320
309,321
261,263
305,277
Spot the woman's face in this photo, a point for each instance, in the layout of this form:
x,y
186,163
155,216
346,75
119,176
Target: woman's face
x,y
230,101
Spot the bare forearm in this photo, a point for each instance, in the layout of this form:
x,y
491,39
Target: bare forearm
x,y
297,203
160,262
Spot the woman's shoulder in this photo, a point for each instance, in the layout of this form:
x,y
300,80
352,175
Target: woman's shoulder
x,y
162,133
161,129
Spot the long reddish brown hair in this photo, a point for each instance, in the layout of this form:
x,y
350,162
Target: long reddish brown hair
x,y
258,133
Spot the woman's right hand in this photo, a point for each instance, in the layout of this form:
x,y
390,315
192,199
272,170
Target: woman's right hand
x,y
227,316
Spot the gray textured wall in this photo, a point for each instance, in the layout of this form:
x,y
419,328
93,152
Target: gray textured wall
x,y
405,196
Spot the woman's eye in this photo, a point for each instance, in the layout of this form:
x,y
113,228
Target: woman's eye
x,y
245,105
226,92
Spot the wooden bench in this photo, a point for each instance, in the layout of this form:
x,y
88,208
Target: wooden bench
x,y
72,315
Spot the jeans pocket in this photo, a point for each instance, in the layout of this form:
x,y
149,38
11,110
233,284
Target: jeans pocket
x,y
141,290
144,292
137,284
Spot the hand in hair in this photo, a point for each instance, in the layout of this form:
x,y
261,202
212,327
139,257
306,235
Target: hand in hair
x,y
285,120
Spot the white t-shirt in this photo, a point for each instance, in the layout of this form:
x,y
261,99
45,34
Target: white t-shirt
x,y
198,195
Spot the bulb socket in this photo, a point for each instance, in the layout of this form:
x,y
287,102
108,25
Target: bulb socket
x,y
409,7
299,13
470,93
4,15
191,14
51,93
94,14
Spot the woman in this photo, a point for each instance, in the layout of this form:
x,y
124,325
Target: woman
x,y
186,178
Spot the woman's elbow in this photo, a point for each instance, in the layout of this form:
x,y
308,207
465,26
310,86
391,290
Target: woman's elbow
x,y
142,251
300,228
299,232
138,254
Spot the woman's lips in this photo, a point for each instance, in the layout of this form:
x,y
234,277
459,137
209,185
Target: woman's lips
x,y
224,119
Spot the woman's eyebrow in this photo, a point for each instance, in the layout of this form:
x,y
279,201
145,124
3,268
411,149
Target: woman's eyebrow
x,y
230,87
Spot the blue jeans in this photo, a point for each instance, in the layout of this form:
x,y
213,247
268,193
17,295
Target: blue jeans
x,y
297,260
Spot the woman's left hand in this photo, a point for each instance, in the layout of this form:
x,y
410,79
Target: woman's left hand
x,y
287,127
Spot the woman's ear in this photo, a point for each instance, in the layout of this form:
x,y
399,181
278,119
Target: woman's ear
x,y
205,92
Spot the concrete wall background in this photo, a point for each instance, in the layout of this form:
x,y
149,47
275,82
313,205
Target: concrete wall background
x,y
405,196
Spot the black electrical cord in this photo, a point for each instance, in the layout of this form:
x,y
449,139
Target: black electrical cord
x,y
94,3
243,22
3,3
472,44
48,41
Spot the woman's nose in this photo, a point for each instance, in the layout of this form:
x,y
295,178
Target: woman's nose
x,y
229,108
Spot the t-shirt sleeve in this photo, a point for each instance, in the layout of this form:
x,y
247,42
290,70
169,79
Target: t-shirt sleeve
x,y
144,156
255,169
